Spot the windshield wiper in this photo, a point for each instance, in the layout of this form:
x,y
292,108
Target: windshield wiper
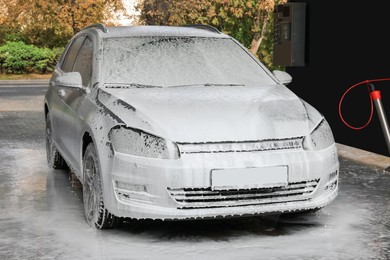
x,y
208,85
137,85
219,85
131,85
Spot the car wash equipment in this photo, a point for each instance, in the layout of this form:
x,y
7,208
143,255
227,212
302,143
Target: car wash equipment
x,y
376,98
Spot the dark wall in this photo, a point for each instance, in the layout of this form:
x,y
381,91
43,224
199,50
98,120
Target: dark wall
x,y
347,42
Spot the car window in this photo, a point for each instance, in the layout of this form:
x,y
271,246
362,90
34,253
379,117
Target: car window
x,y
71,55
175,61
83,63
63,54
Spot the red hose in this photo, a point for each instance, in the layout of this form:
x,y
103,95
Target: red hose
x,y
372,104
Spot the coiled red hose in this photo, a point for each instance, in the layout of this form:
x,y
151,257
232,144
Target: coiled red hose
x,y
372,104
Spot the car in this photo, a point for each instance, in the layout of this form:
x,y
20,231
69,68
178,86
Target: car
x,y
181,123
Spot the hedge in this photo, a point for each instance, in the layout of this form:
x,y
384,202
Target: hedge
x,y
19,58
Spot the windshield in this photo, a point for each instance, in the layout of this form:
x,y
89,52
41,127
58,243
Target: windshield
x,y
179,61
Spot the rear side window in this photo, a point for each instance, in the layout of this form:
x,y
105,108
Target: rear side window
x,y
71,55
83,63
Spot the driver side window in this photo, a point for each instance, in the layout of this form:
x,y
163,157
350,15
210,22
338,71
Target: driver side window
x,y
84,62
71,55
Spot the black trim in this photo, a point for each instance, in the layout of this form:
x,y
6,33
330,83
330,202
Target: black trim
x,y
202,27
99,26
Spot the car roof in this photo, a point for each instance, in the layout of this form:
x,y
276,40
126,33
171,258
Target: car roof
x,y
162,31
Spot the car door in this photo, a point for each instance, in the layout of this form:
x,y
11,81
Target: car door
x,y
83,65
79,59
59,96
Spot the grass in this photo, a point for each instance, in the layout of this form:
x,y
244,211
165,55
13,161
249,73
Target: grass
x,y
24,76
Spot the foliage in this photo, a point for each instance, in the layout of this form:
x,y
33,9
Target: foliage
x,y
18,57
250,22
47,24
51,23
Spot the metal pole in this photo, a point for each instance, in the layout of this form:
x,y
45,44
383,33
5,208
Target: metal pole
x,y
376,97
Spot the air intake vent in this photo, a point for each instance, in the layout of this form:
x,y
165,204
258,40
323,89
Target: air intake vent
x,y
190,198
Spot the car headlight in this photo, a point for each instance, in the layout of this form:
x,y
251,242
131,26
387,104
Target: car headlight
x,y
136,142
320,138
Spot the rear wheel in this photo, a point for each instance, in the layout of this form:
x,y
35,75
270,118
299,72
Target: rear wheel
x,y
54,158
95,212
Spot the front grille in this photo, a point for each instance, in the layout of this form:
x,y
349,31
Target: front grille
x,y
247,146
190,198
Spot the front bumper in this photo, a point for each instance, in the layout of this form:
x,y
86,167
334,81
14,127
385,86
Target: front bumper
x,y
148,188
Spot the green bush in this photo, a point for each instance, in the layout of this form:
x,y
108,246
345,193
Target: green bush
x,y
18,58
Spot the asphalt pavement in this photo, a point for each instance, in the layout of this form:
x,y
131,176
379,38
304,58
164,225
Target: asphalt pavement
x,y
42,216
24,82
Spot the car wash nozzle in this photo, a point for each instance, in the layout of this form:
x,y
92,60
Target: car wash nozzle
x,y
376,98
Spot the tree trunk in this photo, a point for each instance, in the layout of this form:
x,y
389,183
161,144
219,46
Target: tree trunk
x,y
72,10
258,37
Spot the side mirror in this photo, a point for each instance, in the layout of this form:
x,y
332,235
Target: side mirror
x,y
282,76
70,80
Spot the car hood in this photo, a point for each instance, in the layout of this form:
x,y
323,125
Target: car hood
x,y
214,113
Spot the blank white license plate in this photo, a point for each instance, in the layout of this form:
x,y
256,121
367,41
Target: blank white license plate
x,y
249,178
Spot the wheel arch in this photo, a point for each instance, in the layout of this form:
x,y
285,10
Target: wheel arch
x,y
85,141
46,110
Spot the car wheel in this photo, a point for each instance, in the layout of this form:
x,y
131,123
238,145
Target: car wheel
x,y
54,158
95,213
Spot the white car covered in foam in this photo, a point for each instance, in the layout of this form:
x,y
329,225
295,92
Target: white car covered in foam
x,y
181,123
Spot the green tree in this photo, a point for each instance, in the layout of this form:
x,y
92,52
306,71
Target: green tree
x,y
249,21
51,23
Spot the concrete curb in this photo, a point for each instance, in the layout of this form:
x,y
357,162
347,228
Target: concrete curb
x,y
354,154
21,82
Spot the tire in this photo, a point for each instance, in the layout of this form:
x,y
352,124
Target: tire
x,y
54,158
96,214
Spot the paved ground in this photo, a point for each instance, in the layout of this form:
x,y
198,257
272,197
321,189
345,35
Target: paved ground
x,y
41,214
27,82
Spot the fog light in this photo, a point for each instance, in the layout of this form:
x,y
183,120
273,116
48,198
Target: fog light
x,y
127,192
130,187
331,186
333,175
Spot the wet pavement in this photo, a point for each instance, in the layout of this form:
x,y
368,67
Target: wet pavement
x,y
41,212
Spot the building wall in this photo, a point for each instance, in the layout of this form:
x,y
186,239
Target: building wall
x,y
347,42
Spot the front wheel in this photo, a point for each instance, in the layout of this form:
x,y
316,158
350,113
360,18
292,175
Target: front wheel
x,y
95,213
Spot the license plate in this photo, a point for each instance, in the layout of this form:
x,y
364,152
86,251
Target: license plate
x,y
248,178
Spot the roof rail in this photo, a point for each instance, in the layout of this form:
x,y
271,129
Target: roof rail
x,y
97,26
203,27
